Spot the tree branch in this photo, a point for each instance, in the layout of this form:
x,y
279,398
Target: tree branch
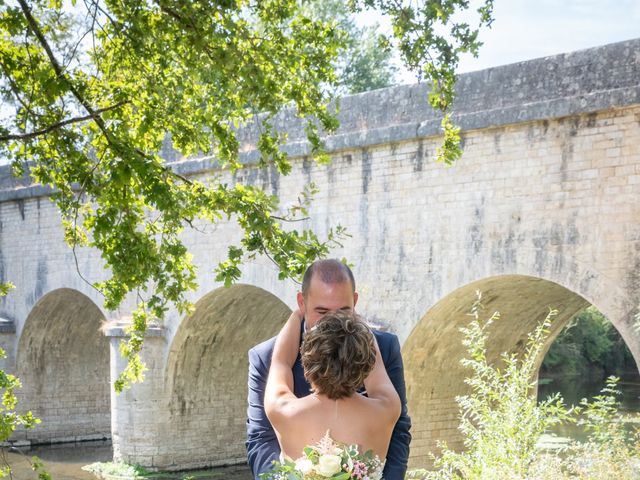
x,y
35,28
56,126
93,114
284,219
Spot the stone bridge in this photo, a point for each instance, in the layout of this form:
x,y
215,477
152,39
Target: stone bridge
x,y
543,210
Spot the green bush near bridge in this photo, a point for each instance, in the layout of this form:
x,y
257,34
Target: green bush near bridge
x,y
503,423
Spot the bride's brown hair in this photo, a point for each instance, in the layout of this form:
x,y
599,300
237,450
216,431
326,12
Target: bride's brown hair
x,y
338,354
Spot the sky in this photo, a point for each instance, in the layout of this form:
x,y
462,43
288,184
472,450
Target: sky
x,y
526,29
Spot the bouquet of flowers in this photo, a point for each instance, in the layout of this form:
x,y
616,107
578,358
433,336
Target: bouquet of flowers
x,y
328,459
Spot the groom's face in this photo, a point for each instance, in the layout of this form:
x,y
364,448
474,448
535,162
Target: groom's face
x,y
323,298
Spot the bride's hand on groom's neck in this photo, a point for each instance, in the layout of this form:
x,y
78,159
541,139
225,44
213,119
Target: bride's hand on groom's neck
x,y
296,316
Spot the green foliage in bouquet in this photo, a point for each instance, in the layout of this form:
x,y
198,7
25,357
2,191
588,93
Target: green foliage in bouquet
x,y
328,459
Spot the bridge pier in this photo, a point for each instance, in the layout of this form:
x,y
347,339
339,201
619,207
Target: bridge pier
x,y
7,343
190,410
137,415
547,193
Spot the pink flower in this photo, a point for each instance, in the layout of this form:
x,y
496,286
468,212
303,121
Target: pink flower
x,y
359,470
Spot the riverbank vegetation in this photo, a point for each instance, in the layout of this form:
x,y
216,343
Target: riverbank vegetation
x,y
124,471
589,344
503,424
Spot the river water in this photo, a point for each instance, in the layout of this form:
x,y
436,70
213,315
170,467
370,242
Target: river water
x,y
65,462
574,388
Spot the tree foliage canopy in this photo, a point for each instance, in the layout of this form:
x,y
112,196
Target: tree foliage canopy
x,y
589,342
91,89
365,59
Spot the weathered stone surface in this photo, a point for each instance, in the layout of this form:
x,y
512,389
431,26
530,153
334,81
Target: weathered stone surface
x,y
196,417
62,361
432,352
542,211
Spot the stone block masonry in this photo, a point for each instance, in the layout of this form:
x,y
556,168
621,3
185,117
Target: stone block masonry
x,y
541,211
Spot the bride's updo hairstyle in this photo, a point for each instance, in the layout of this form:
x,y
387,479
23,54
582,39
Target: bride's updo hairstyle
x,y
338,354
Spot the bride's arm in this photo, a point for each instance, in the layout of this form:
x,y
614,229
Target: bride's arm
x,y
279,389
380,388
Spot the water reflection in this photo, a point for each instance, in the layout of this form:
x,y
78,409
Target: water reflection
x,y
575,388
65,462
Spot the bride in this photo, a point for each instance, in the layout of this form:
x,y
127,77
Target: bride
x,y
339,355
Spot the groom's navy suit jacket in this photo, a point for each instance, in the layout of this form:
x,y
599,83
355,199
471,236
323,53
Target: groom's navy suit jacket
x,y
262,444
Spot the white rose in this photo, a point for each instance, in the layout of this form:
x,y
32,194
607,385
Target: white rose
x,y
304,465
328,465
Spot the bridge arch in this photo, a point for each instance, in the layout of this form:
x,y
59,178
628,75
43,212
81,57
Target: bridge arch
x,y
63,363
206,374
432,351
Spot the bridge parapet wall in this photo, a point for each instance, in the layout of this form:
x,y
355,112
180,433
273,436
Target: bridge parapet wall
x,y
550,87
548,188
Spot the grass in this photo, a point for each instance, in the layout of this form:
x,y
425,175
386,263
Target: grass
x,y
124,471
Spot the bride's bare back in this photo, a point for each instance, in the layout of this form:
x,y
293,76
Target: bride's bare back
x,y
338,356
354,420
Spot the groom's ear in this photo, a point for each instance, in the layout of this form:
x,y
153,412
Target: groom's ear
x,y
355,299
300,299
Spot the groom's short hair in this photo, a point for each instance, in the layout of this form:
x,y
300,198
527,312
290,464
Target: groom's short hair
x,y
330,271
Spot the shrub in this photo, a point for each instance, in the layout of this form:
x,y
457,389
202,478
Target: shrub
x,y
502,422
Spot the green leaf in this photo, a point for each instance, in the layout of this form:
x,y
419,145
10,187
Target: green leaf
x,y
90,118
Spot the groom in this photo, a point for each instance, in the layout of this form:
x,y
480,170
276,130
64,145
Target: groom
x,y
328,285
